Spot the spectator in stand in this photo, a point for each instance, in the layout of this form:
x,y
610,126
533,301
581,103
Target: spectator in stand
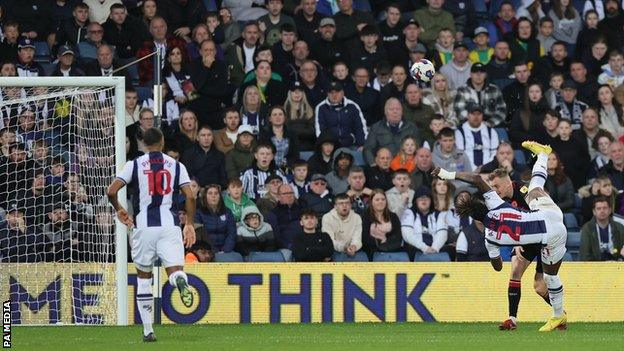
x,y
224,139
400,196
321,159
613,73
396,87
611,112
19,242
135,131
500,67
344,227
389,132
66,66
432,19
270,199
300,117
391,30
523,44
558,185
318,198
204,161
597,57
74,30
26,64
421,176
545,33
231,30
601,144
282,138
255,176
253,111
415,111
588,35
34,18
342,117
406,155
369,52
476,138
572,153
63,238
570,107
187,130
408,43
121,31
505,159
514,92
328,48
615,168
479,91
567,23
458,69
337,178
602,238
235,200
282,50
312,82
217,219
159,41
441,98
284,219
300,178
423,228
611,24
100,9
349,22
379,174
200,33
601,186
208,76
588,131
148,10
357,192
307,20
271,23
182,16
199,252
482,52
364,96
381,229
272,91
557,61
442,53
528,121
310,244
504,22
253,233
240,55
244,11
586,85
8,44
87,49
448,156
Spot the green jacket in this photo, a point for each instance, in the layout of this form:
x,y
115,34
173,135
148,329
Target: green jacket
x,y
237,160
590,246
431,23
237,209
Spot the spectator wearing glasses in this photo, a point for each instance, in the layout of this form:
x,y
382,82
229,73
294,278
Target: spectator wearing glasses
x,y
344,226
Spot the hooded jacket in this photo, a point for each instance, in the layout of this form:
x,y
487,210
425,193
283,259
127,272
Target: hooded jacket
x,y
259,239
316,163
238,209
336,183
343,232
237,160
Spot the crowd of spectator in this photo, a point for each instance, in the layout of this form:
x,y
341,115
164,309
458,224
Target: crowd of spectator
x,y
304,134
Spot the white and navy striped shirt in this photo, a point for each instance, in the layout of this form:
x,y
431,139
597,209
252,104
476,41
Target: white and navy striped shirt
x,y
157,179
422,231
479,144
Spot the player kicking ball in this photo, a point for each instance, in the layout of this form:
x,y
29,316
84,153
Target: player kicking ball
x,y
157,178
505,225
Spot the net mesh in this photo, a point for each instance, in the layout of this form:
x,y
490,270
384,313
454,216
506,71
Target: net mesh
x,y
57,234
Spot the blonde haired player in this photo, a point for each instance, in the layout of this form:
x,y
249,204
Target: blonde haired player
x,y
505,225
157,179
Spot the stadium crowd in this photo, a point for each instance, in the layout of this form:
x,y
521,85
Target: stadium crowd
x,y
303,131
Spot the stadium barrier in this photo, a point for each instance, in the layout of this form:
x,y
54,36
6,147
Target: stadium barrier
x,y
323,292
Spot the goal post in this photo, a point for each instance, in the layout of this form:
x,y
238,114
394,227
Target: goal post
x,y
75,96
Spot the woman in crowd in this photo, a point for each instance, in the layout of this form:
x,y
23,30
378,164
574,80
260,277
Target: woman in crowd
x,y
178,76
278,134
596,57
601,186
558,185
381,229
523,44
573,153
217,219
567,23
601,143
528,121
440,97
187,130
271,91
588,35
300,117
199,34
443,191
406,157
611,118
253,111
149,9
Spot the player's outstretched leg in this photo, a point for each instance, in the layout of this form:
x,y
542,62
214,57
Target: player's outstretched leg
x,y
178,279
145,303
540,170
555,292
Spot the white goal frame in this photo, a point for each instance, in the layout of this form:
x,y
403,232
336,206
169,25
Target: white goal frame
x,y
119,84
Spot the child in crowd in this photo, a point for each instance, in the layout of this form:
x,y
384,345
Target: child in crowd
x,y
57,171
254,234
613,73
443,52
545,36
382,75
406,157
199,252
553,95
482,52
400,196
235,199
300,181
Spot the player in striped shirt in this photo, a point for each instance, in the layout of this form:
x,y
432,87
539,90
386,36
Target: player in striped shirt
x,y
505,225
157,180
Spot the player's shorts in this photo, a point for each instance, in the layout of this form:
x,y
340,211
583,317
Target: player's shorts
x,y
532,252
548,206
555,246
149,244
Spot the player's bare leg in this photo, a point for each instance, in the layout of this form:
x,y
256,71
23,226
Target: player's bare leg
x,y
145,303
555,291
539,286
179,280
518,266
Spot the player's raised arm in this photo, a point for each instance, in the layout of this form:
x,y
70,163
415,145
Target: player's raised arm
x,y
189,206
471,178
112,192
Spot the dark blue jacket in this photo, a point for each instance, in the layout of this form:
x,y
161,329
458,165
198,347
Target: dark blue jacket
x,y
220,227
285,223
344,120
368,100
207,167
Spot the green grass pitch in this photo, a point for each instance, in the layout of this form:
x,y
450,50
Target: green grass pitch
x,y
360,337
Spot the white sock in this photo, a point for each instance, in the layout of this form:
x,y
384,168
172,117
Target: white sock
x,y
174,276
145,303
555,293
540,173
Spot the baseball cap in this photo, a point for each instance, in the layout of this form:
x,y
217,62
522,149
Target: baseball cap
x,y
327,21
481,30
296,85
318,176
25,43
422,191
477,67
273,177
14,206
65,49
335,86
460,45
412,22
568,84
418,48
244,128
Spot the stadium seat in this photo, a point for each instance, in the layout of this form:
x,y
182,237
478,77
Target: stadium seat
x,y
390,257
520,157
42,52
228,257
578,202
305,155
275,256
505,252
434,257
502,134
573,244
570,221
343,257
568,257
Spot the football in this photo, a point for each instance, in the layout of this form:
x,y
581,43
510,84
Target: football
x,y
422,70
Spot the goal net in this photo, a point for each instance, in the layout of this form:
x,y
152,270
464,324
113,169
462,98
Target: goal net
x,y
62,255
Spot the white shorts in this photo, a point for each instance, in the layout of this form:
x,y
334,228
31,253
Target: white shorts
x,y
555,243
149,244
548,206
